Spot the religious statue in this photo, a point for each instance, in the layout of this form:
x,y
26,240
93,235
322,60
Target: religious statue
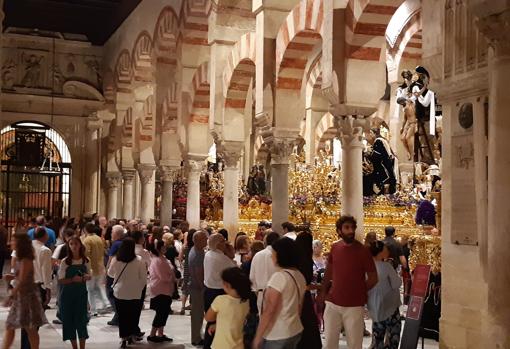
x,y
382,179
261,180
32,71
409,126
251,186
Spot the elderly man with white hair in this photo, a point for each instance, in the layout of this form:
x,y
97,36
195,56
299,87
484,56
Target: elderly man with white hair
x,y
118,234
215,261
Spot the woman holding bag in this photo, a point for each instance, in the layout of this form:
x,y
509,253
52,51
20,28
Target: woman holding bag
x,y
129,275
384,299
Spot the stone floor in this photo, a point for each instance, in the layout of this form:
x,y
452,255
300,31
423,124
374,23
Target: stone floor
x,y
103,336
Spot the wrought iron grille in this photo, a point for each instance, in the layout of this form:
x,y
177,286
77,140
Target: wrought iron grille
x,y
26,191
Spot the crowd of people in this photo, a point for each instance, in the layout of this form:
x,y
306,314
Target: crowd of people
x,y
275,291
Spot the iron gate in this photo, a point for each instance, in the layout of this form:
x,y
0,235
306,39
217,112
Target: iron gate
x,y
27,188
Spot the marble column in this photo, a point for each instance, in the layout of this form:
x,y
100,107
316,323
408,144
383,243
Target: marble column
x,y
146,173
351,137
93,168
280,152
128,199
193,196
168,174
113,179
231,156
497,30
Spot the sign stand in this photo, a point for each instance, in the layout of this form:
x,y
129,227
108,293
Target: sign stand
x,y
415,308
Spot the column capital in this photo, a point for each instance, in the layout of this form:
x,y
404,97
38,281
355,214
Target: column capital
x,y
128,174
168,173
146,171
231,152
94,122
496,28
195,165
113,179
351,130
281,148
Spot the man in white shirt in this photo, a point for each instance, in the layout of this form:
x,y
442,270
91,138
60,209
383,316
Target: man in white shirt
x,y
263,267
289,230
42,264
215,261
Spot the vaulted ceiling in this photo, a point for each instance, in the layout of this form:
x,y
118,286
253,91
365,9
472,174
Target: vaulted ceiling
x,y
97,19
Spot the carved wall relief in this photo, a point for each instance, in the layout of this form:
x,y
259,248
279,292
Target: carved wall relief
x,y
33,68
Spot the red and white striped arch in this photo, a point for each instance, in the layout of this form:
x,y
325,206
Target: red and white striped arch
x,y
195,22
260,151
169,109
147,122
123,69
142,58
366,22
165,36
326,130
295,40
403,37
127,129
313,80
239,72
200,92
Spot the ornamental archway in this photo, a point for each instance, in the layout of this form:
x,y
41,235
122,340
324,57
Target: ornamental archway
x,y
35,174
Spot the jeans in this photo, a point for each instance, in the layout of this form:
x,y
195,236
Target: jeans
x,y
197,314
97,292
111,298
287,343
209,295
349,318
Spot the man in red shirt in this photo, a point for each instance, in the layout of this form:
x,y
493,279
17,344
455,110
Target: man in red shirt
x,y
350,274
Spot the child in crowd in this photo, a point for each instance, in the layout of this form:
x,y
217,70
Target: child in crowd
x,y
230,310
73,274
162,283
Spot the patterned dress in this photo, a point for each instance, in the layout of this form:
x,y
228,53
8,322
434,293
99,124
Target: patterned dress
x,y
26,309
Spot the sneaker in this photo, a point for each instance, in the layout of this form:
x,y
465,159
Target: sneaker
x,y
155,339
164,338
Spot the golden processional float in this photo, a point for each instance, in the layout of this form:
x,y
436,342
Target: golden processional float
x,y
315,198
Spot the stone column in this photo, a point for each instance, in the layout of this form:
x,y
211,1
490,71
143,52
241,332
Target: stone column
x,y
195,167
497,30
351,137
146,173
93,168
280,152
231,156
113,179
168,174
128,199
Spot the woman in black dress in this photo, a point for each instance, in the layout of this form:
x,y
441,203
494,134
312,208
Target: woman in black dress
x,y
311,337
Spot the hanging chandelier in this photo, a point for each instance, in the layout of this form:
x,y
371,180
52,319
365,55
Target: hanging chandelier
x,y
50,165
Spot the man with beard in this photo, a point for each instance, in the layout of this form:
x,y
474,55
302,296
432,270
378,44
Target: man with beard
x,y
350,274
